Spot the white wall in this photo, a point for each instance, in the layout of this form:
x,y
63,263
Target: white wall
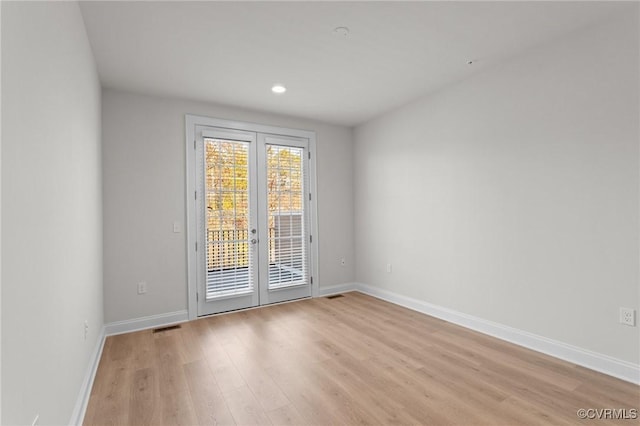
x,y
51,210
513,196
144,193
0,217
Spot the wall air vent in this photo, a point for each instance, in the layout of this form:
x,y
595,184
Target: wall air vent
x,y
170,327
335,296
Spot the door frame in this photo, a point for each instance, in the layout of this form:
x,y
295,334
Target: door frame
x,y
191,121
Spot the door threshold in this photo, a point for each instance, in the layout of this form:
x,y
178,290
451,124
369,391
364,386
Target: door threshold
x,y
233,311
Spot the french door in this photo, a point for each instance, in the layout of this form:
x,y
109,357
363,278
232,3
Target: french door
x,y
251,203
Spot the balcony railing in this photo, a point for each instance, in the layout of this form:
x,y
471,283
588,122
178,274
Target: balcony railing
x,y
229,257
229,248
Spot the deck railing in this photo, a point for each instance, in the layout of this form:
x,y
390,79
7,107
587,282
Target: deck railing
x,y
229,248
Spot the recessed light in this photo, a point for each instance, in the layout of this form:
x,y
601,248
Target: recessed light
x,y
341,31
278,88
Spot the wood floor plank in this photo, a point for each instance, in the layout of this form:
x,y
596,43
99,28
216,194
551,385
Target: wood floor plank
x,y
524,413
144,352
209,404
145,398
485,353
189,346
286,415
428,401
261,384
226,375
349,360
175,403
295,379
348,408
356,379
228,378
112,395
245,408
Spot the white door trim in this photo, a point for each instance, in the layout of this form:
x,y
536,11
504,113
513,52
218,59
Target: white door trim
x,y
191,121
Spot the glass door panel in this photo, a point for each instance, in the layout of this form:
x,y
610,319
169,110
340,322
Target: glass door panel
x,y
228,235
287,259
229,268
285,263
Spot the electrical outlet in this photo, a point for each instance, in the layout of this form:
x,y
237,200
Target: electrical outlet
x,y
628,316
389,268
86,329
177,228
142,287
343,261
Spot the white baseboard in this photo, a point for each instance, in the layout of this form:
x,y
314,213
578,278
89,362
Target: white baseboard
x,y
144,323
77,417
595,361
336,289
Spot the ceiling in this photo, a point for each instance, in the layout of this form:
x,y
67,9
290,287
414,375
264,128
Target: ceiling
x,y
234,52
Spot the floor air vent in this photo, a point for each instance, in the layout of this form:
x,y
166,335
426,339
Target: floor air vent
x,y
335,296
171,327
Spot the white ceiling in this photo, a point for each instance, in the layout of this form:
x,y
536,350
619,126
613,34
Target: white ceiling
x,y
233,52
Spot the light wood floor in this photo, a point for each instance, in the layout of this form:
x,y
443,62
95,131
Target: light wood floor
x,y
349,360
